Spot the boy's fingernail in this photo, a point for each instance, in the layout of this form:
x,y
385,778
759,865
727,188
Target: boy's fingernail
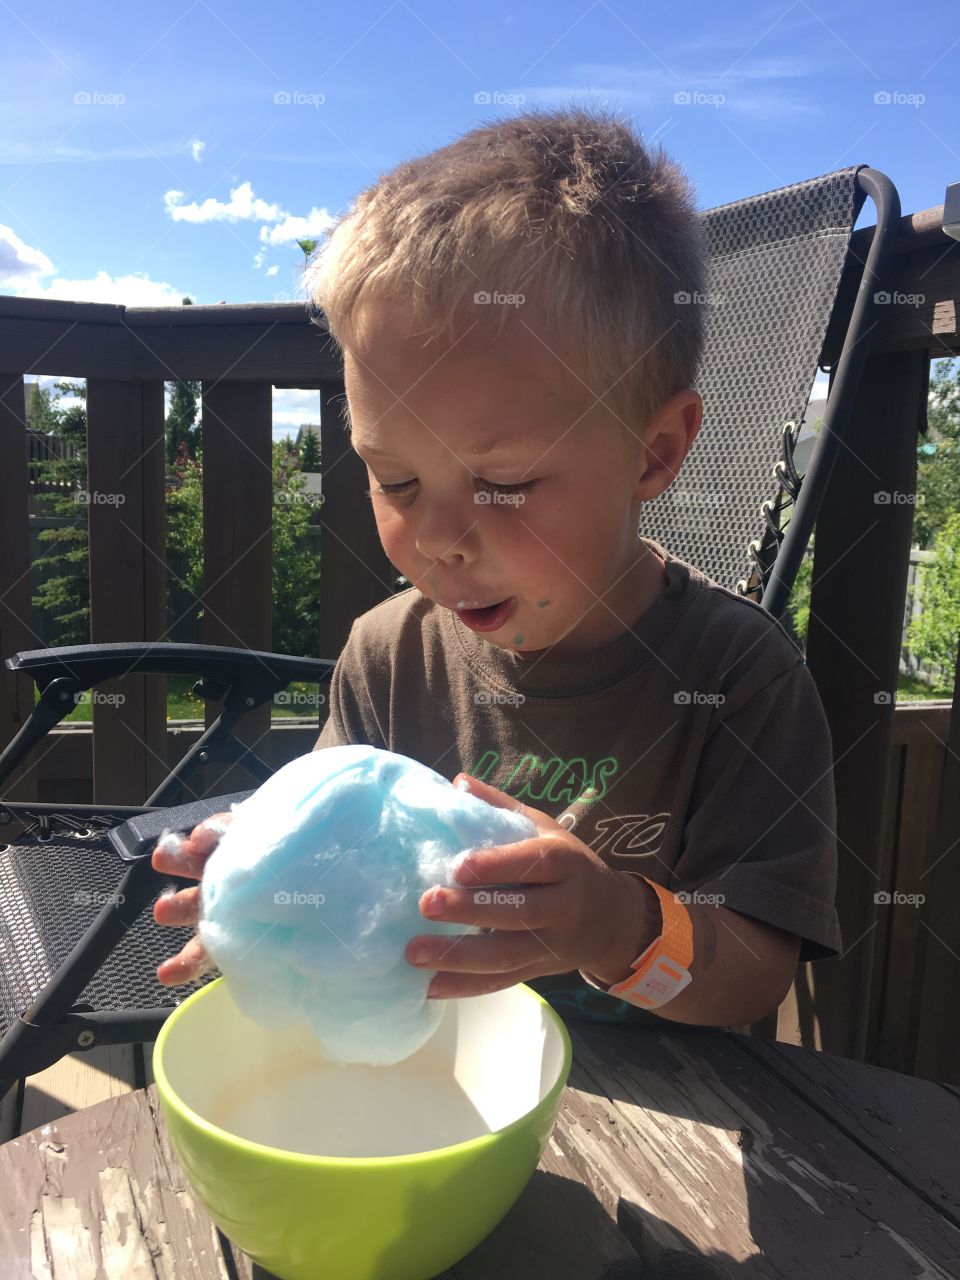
x,y
420,954
435,903
467,870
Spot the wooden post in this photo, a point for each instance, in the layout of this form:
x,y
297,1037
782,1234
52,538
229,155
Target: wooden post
x,y
237,542
355,573
861,561
125,474
16,633
938,1049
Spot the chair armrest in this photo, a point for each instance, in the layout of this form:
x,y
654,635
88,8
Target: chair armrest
x,y
89,664
136,837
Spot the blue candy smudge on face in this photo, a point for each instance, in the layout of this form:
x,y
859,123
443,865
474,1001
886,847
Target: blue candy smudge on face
x,y
311,896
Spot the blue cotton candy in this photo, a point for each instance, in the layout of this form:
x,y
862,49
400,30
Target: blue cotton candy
x,y
311,895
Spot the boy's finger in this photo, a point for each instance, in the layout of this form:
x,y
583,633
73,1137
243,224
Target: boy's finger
x,y
192,962
177,855
178,908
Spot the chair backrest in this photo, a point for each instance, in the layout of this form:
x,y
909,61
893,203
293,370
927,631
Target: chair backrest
x,y
775,262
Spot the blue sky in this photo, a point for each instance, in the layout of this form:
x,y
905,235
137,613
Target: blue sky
x,y
152,151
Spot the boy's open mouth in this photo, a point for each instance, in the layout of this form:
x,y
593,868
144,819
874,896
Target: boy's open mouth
x,y
490,618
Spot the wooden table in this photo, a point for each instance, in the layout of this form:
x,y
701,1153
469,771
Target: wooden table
x,y
679,1152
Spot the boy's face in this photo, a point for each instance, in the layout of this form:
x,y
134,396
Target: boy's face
x,y
547,519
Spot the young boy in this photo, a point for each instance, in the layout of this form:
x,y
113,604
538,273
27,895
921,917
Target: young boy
x,y
519,383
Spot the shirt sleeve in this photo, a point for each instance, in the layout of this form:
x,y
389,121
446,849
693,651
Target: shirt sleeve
x,y
761,827
353,717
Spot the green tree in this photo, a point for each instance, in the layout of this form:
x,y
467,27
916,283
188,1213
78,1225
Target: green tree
x,y
309,450
63,580
184,509
295,564
938,461
933,634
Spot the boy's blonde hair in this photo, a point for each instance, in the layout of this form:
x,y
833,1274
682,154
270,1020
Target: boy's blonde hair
x,y
568,209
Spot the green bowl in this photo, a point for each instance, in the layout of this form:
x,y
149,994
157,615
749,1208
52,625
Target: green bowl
x,y
318,1168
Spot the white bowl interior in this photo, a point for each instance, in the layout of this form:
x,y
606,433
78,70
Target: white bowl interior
x,y
492,1059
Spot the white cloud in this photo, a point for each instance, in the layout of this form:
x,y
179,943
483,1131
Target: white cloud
x,y
298,228
19,261
243,205
197,148
25,272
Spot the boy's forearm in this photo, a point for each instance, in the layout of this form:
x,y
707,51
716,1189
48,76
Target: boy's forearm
x,y
741,970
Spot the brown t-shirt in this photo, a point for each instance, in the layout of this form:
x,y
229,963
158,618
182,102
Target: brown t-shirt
x,y
700,728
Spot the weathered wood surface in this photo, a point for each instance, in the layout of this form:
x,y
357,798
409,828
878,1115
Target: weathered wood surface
x,y
740,1158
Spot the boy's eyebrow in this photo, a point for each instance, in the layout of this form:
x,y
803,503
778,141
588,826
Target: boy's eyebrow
x,y
480,447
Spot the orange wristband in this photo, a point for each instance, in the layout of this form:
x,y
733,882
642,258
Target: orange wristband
x,y
663,969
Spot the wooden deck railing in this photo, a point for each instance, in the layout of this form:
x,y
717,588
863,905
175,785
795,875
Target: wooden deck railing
x,y
239,352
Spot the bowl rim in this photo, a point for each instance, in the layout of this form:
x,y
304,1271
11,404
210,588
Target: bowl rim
x,y
170,1097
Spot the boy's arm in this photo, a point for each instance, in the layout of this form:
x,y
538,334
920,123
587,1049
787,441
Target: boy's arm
x,y
742,968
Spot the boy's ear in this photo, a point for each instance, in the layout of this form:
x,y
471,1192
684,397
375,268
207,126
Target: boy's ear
x,y
666,442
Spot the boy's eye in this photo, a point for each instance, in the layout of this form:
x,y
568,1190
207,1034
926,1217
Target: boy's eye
x,y
484,484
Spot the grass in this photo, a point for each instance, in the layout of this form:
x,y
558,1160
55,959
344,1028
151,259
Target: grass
x,y
297,700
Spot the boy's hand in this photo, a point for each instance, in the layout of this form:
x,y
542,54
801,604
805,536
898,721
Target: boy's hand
x,y
183,907
568,910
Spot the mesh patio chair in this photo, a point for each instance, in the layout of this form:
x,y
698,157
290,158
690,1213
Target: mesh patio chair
x,y
738,510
